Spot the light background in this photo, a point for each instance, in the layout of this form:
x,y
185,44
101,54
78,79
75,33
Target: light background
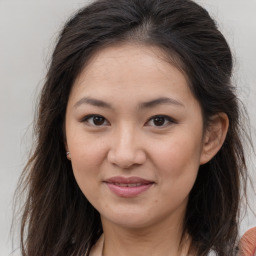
x,y
28,31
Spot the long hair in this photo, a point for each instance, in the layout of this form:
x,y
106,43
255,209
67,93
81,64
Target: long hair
x,y
57,219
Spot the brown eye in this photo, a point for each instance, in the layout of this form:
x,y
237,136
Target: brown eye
x,y
160,121
95,120
98,120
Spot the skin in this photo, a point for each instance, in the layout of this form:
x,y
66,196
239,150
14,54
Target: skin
x,y
128,141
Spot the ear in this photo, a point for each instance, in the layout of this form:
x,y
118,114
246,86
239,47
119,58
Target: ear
x,y
66,145
65,142
214,136
65,137
67,151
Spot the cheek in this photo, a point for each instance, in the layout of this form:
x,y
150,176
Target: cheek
x,y
87,156
86,150
178,160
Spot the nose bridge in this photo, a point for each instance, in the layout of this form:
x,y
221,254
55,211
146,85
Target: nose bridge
x,y
125,137
126,149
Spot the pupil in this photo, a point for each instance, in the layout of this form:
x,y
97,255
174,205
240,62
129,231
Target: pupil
x,y
98,120
159,121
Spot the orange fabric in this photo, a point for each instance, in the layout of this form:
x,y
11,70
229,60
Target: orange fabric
x,y
248,243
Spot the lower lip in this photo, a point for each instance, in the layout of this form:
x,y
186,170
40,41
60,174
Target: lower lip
x,y
128,191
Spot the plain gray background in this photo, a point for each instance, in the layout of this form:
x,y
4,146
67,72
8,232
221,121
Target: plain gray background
x,y
28,31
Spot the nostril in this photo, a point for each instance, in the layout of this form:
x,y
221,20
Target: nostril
x,y
125,159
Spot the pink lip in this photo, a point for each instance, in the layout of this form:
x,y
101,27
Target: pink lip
x,y
128,186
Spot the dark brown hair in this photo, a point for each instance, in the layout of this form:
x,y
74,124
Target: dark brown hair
x,y
57,219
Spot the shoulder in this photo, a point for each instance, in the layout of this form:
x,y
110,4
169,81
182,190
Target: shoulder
x,y
247,245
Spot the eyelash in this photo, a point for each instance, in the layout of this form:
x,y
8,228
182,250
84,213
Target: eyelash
x,y
91,116
167,120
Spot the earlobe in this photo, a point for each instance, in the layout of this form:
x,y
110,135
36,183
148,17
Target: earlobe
x,y
214,137
68,155
67,151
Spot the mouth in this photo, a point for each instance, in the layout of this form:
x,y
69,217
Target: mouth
x,y
128,186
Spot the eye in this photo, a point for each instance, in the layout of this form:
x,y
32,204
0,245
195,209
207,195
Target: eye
x,y
160,121
95,120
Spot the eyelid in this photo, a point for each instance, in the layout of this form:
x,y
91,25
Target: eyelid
x,y
168,118
87,117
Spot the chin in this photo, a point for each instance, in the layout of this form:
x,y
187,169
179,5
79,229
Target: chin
x,y
130,219
133,218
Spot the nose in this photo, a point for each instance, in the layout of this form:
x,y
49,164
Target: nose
x,y
126,149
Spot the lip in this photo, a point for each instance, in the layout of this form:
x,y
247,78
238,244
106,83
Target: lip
x,y
128,186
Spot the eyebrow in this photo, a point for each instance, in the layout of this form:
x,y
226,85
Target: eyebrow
x,y
160,101
147,104
93,102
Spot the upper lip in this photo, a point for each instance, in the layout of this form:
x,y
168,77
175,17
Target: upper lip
x,y
128,180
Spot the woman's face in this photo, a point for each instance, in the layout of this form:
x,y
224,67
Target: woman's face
x,y
135,134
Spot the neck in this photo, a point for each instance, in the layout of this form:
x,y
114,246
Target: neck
x,y
165,239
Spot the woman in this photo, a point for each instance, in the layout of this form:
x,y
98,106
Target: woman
x,y
138,147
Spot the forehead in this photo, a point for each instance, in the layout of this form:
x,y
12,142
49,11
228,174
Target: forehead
x,y
131,69
123,54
